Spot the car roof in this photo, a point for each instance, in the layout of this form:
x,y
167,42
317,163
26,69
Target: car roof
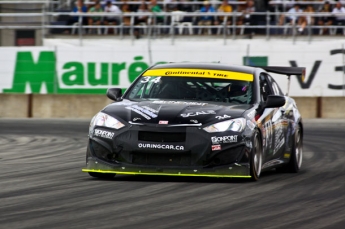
x,y
211,66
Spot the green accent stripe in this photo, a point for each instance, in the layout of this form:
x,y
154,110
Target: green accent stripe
x,y
163,174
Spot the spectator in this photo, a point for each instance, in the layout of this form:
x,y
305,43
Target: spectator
x,y
339,9
241,6
79,8
206,20
125,9
142,9
153,7
273,9
182,6
292,18
224,8
306,19
95,20
325,20
247,17
169,5
140,19
250,8
110,8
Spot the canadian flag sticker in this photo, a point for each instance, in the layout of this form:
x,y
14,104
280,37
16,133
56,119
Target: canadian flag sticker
x,y
163,122
216,147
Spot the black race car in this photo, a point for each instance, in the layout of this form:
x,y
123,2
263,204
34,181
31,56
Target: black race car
x,y
193,119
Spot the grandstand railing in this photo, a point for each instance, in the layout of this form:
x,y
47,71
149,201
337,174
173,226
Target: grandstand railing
x,y
154,29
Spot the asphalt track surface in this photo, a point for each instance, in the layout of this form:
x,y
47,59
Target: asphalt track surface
x,y
42,186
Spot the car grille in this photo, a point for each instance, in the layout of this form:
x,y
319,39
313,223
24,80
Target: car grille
x,y
161,136
161,159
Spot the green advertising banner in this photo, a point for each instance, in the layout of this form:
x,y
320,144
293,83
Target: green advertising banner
x,y
257,61
74,77
93,68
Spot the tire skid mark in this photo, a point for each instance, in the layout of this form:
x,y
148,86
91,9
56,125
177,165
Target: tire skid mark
x,y
42,186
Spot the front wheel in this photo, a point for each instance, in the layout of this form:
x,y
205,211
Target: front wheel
x,y
102,175
296,153
296,157
256,158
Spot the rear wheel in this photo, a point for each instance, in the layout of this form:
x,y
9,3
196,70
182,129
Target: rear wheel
x,y
102,175
256,158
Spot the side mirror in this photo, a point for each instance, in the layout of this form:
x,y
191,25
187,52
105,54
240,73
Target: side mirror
x,y
274,101
114,94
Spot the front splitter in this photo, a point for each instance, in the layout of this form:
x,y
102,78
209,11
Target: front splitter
x,y
233,170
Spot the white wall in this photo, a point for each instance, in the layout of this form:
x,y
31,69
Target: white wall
x,y
279,53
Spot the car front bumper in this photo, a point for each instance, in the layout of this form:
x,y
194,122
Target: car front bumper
x,y
122,154
234,170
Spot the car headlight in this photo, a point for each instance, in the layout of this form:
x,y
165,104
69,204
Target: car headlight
x,y
236,125
102,119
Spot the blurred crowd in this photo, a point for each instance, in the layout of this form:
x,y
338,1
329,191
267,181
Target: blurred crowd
x,y
301,16
294,13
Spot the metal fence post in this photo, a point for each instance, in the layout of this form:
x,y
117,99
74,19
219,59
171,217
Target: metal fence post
x,y
310,31
225,26
172,29
43,23
268,21
132,22
121,31
294,33
233,26
154,26
80,30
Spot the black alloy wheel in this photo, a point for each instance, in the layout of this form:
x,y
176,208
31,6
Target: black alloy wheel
x,y
295,163
256,157
296,155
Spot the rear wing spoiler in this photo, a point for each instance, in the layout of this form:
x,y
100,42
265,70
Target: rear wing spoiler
x,y
298,71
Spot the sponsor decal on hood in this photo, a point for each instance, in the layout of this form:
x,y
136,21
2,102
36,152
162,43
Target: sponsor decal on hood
x,y
144,111
222,117
186,115
151,112
179,102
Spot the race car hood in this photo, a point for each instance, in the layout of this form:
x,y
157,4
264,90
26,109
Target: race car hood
x,y
173,112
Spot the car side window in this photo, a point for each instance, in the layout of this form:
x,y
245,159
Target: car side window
x,y
265,89
275,87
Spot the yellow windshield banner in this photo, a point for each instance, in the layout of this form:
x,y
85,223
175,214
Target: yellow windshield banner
x,y
200,73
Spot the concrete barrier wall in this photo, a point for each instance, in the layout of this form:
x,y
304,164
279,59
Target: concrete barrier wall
x,y
307,106
14,105
67,106
86,106
333,107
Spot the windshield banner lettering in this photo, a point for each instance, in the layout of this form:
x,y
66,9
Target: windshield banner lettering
x,y
206,73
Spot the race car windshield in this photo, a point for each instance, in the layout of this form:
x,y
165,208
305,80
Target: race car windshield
x,y
191,88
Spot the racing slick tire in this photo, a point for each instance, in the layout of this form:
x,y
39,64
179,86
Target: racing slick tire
x,y
296,157
256,157
102,175
296,153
